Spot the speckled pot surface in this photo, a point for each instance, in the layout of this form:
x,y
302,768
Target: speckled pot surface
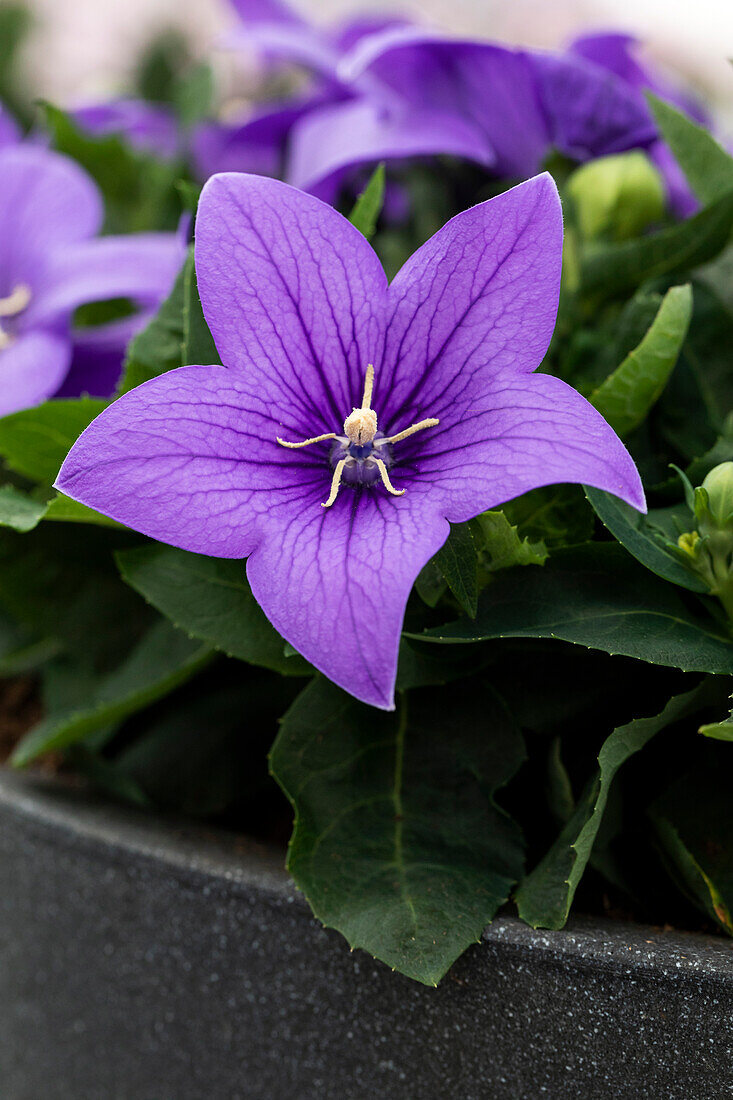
x,y
144,961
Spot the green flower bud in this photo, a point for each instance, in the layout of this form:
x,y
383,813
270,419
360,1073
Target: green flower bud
x,y
718,489
616,197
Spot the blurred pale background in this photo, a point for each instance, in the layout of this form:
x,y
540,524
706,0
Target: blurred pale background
x,y
82,48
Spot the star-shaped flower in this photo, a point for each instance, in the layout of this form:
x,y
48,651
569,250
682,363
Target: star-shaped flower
x,y
352,419
50,263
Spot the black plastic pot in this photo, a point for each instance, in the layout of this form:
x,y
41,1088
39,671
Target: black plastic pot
x,y
140,960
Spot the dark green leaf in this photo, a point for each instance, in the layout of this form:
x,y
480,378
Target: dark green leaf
x,y
545,896
368,207
164,659
556,515
500,546
159,347
398,843
458,562
627,395
19,511
35,442
599,597
614,269
707,353
708,168
636,532
430,583
198,343
208,598
694,826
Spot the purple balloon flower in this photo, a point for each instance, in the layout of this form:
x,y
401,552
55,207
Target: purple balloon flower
x,y
353,419
49,264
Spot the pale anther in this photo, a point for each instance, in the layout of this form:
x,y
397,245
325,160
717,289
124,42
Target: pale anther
x,y
335,483
429,423
16,301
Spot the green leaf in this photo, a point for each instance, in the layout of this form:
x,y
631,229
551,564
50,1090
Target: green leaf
x,y
637,533
368,206
164,659
545,896
66,510
430,583
458,562
397,842
708,168
614,269
501,546
198,343
707,353
158,348
35,442
555,515
719,731
627,395
210,599
19,511
596,596
138,188
693,821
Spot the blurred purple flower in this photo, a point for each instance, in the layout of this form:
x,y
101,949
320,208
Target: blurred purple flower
x,y
147,127
9,129
615,52
49,265
444,417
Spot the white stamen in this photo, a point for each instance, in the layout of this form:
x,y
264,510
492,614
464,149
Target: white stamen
x,y
335,483
360,426
15,302
429,423
307,442
385,479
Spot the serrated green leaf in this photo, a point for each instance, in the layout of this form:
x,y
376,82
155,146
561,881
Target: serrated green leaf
x,y
397,842
707,167
163,660
596,596
210,599
159,347
637,533
457,560
626,396
198,343
501,546
545,896
36,441
607,270
368,206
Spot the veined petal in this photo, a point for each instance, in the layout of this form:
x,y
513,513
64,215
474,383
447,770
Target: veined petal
x,y
328,143
31,369
293,294
513,433
479,298
335,583
46,201
191,458
141,266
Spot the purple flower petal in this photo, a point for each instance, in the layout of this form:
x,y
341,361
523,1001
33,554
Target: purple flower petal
x,y
256,145
146,126
140,266
31,370
298,305
334,141
289,287
98,355
9,129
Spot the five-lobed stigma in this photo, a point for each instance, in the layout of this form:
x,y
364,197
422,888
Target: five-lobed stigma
x,y
362,455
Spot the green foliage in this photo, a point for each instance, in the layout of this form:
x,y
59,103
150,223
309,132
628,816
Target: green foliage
x,y
597,596
706,165
368,206
501,545
398,842
209,599
457,560
198,343
19,511
627,395
35,442
546,894
159,347
608,270
138,189
164,659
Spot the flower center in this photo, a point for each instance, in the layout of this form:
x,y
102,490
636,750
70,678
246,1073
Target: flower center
x,y
362,455
11,306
